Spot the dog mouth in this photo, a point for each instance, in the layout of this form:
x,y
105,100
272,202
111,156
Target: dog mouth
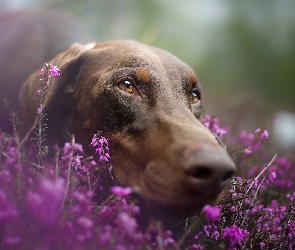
x,y
165,205
170,194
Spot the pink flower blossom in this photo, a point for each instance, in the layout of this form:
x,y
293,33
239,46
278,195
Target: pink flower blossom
x,y
39,111
46,201
234,235
127,223
247,151
212,124
212,213
197,247
51,70
121,191
54,71
101,148
264,136
7,210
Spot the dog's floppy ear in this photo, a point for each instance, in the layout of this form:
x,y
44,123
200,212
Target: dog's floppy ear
x,y
59,109
58,106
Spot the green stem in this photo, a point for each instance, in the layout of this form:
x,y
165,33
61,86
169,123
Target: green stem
x,y
193,228
68,181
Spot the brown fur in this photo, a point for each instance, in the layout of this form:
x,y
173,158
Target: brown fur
x,y
143,75
158,145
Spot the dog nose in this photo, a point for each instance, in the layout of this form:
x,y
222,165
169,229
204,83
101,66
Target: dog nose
x,y
208,169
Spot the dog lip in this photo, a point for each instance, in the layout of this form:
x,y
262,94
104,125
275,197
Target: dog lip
x,y
194,200
197,186
178,210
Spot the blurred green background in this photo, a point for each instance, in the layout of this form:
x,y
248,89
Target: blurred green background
x,y
242,51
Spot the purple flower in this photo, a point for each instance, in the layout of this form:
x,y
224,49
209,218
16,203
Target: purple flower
x,y
264,136
101,148
67,148
105,235
272,176
169,241
197,247
54,71
77,165
7,210
291,197
246,138
45,203
234,235
12,154
78,148
233,209
121,191
212,124
39,111
5,176
39,91
51,70
247,151
85,222
212,213
12,241
71,152
127,223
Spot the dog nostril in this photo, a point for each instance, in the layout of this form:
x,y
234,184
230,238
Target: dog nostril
x,y
209,169
202,173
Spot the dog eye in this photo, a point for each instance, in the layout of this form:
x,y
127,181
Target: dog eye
x,y
127,86
195,96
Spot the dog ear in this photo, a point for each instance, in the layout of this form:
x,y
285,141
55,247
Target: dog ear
x,y
58,107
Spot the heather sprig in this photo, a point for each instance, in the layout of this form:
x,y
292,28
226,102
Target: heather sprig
x,y
212,124
101,146
46,73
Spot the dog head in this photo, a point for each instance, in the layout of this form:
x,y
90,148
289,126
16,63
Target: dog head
x,y
147,103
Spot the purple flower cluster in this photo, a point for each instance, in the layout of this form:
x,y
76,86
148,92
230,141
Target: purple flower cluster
x,y
46,72
119,191
252,141
234,236
212,124
44,202
212,213
55,205
101,148
50,70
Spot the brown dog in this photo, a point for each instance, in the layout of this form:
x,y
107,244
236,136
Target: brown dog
x,y
147,103
28,39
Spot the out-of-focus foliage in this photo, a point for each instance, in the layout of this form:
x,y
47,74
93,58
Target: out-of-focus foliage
x,y
234,46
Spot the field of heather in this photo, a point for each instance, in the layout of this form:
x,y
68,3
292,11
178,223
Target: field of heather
x,y
47,203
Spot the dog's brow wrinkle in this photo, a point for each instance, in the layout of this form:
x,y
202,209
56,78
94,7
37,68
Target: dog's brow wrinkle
x,y
192,77
142,75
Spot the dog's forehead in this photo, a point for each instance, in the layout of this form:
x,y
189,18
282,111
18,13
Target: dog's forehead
x,y
146,59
